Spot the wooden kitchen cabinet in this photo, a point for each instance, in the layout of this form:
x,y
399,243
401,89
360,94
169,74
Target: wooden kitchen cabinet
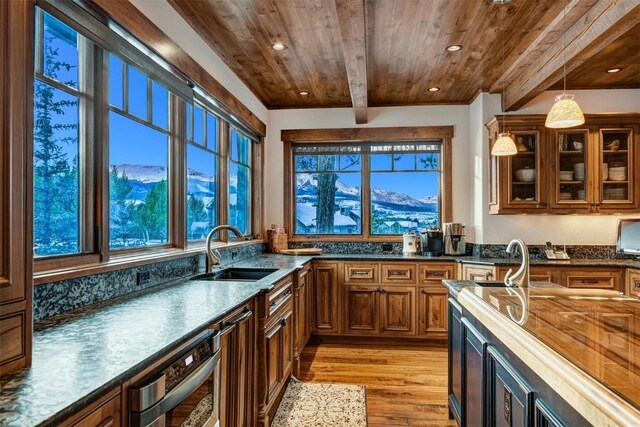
x,y
589,169
105,412
633,283
325,298
478,272
397,310
398,273
432,312
301,308
275,347
361,310
592,278
361,272
237,378
433,273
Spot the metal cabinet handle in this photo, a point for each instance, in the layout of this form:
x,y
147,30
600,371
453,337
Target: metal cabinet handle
x,y
590,281
283,322
636,283
359,272
422,291
437,274
399,273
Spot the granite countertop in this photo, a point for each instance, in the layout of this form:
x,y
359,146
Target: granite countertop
x,y
81,355
580,341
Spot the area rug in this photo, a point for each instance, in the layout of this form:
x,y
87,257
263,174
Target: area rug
x,y
322,405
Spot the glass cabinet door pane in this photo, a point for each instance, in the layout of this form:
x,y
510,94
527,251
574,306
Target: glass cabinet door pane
x,y
572,166
524,169
615,146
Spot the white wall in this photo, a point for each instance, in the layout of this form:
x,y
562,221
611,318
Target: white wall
x,y
458,116
171,23
536,229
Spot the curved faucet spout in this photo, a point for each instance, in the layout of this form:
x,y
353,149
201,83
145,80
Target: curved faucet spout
x,y
213,255
520,277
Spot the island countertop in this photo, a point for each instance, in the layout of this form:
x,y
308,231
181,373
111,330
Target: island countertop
x,y
584,342
79,356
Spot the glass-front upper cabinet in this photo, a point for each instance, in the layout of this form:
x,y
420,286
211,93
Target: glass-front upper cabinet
x,y
573,169
616,153
525,183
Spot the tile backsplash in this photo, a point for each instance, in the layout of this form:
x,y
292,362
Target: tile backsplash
x,y
60,297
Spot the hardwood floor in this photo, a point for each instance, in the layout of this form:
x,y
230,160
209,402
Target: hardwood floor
x,y
406,386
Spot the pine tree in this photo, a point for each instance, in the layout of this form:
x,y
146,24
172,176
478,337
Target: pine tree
x,y
152,215
123,215
325,208
196,212
55,180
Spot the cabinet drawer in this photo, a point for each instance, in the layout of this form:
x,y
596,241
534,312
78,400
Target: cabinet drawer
x,y
399,273
360,273
279,296
478,272
435,273
590,279
633,287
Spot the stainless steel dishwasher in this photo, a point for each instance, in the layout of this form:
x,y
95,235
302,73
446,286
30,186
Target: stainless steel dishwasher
x,y
185,393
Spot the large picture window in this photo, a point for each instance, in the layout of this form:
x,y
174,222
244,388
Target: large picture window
x,y
374,189
138,159
57,141
130,157
202,171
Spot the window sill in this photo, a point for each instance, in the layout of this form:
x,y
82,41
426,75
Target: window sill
x,y
128,261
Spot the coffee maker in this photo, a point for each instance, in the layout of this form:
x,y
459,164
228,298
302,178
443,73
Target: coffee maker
x,y
454,241
431,242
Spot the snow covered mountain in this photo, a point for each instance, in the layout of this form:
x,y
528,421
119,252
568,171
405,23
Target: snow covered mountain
x,y
307,185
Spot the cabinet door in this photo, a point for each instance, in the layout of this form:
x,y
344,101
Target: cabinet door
x,y
432,312
475,347
524,188
544,417
243,391
361,314
617,175
633,283
273,354
325,286
227,375
572,169
510,397
300,303
286,355
456,344
397,310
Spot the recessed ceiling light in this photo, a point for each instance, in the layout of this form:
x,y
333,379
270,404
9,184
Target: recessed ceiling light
x,y
454,47
278,46
303,93
613,70
434,89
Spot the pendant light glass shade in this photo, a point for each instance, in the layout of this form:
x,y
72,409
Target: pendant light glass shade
x,y
504,145
565,113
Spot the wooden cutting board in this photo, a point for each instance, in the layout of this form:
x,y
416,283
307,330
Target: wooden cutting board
x,y
302,251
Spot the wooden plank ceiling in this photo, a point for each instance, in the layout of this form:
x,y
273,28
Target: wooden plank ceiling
x,y
404,45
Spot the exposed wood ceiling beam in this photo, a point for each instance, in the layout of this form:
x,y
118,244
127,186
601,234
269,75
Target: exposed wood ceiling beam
x,y
534,72
352,30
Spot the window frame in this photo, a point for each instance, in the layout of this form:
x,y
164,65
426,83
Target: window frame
x,y
95,137
359,136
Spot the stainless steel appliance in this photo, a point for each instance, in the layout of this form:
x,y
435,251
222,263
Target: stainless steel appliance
x,y
454,240
628,236
431,242
185,393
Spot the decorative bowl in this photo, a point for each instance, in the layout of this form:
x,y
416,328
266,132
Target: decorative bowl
x,y
526,175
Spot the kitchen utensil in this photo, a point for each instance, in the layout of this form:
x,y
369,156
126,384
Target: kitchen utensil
x,y
618,173
526,175
454,238
520,146
578,146
431,242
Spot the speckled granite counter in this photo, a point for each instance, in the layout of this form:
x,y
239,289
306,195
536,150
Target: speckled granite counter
x,y
81,355
582,342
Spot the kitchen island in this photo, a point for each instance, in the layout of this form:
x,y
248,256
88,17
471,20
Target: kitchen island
x,y
543,356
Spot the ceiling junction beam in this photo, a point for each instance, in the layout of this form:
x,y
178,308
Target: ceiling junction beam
x,y
351,18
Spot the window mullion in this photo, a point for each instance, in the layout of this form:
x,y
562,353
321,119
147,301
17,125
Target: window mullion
x,y
101,147
223,178
365,217
178,168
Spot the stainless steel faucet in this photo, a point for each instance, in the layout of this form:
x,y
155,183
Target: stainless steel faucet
x,y
213,255
520,277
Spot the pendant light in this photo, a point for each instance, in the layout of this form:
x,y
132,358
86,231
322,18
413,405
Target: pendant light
x,y
504,145
565,112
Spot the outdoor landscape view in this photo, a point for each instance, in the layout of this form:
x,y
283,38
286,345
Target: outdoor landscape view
x,y
404,193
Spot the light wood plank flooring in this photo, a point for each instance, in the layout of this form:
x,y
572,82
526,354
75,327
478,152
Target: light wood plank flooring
x,y
406,386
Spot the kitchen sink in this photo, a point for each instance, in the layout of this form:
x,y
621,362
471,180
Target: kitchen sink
x,y
234,274
490,283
